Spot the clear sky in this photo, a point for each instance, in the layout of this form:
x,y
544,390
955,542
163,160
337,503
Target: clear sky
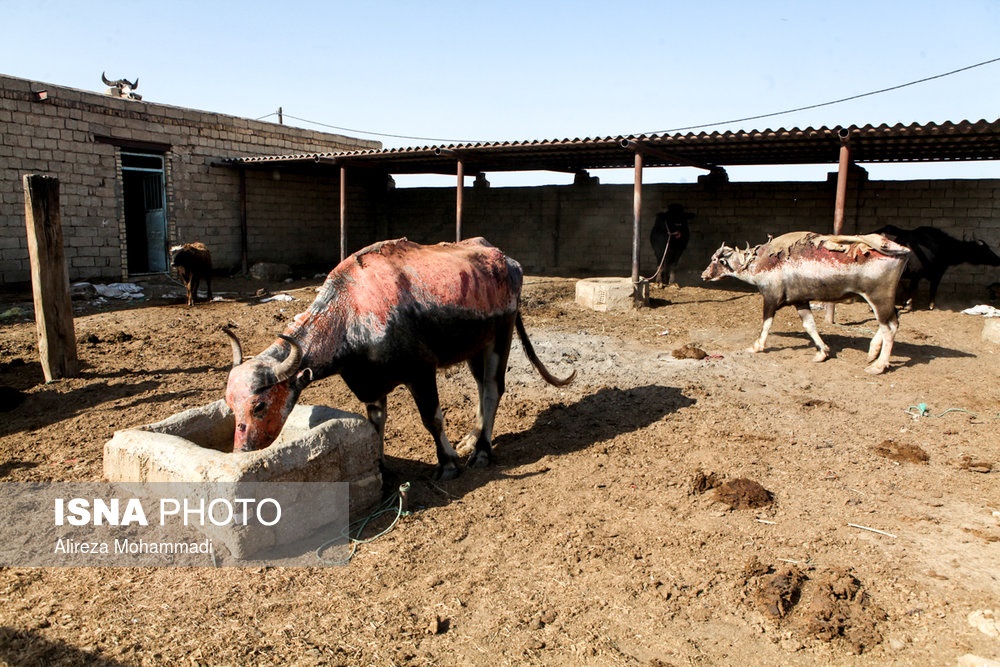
x,y
441,72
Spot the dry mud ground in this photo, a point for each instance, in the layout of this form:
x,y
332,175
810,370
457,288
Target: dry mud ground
x,y
601,536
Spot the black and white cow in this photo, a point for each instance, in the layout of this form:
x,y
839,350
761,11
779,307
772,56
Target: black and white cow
x,y
389,315
669,237
800,267
932,253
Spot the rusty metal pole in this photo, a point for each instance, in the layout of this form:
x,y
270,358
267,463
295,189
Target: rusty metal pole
x,y
343,212
839,203
636,220
845,163
458,200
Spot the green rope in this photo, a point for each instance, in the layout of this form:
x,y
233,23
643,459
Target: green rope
x,y
394,504
921,410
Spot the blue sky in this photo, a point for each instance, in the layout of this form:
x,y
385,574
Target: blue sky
x,y
446,72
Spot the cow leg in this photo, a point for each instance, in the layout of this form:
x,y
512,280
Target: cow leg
x,y
934,279
208,285
769,310
425,394
881,345
490,369
193,290
809,324
377,416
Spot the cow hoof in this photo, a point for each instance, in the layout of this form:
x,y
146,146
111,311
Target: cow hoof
x,y
479,459
821,357
467,446
447,472
875,369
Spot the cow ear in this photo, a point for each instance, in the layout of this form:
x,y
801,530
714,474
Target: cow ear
x,y
302,379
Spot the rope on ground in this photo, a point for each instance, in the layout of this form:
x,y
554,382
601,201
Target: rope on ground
x,y
394,504
921,410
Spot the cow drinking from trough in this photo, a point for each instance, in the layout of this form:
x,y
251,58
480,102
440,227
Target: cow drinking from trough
x,y
193,262
932,252
800,267
669,237
389,315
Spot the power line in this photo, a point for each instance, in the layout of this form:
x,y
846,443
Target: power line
x,y
675,129
826,104
376,134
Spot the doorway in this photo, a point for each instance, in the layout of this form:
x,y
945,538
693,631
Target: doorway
x,y
145,205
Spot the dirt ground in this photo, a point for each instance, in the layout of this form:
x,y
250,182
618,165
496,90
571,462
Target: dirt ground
x,y
658,511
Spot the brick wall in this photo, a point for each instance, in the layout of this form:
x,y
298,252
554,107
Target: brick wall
x,y
76,136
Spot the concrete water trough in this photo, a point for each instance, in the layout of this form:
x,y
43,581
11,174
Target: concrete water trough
x,y
317,444
609,294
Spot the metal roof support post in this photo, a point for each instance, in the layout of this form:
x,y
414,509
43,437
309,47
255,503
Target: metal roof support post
x,y
838,206
343,212
842,171
636,221
460,186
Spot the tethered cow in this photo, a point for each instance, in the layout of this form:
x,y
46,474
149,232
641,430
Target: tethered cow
x,y
800,267
389,315
669,237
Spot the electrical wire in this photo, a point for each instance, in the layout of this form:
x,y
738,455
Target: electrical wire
x,y
826,104
671,130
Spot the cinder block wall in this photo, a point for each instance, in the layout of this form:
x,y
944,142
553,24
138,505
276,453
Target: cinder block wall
x,y
587,229
75,136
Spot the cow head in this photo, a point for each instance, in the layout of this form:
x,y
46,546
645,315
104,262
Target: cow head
x,y
262,392
980,253
727,262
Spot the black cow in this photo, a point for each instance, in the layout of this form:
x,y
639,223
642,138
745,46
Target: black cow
x,y
389,315
933,252
669,236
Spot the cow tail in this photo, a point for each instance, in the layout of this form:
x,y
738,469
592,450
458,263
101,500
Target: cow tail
x,y
529,351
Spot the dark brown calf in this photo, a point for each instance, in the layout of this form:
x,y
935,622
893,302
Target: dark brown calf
x,y
193,262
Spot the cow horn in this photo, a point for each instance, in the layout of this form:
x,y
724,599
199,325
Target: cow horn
x,y
237,348
104,78
133,85
286,369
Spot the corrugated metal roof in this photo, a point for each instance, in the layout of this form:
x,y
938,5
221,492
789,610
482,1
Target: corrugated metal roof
x,y
932,142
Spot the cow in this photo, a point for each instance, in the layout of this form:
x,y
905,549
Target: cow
x,y
932,253
391,314
122,88
669,237
193,262
800,267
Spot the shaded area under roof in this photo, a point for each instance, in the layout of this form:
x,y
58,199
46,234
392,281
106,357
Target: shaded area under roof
x,y
933,142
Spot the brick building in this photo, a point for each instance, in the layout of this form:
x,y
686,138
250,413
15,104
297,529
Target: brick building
x,y
136,177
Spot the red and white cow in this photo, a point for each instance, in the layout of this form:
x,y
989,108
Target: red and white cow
x,y
800,267
389,315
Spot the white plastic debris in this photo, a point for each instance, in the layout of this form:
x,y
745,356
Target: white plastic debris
x,y
120,291
279,297
982,309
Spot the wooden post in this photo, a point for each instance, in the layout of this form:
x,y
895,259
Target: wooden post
x,y
636,221
49,278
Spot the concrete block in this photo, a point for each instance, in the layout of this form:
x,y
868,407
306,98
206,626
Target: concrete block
x,y
991,330
317,444
609,294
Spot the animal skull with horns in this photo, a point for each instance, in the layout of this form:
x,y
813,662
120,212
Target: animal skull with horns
x,y
121,88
